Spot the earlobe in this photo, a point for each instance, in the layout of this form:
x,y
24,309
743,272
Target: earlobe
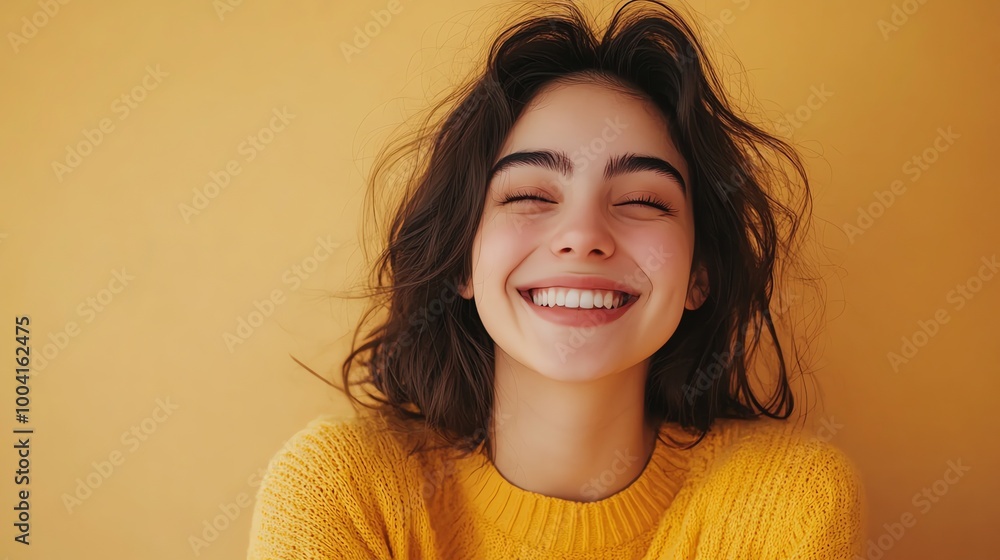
x,y
697,288
464,290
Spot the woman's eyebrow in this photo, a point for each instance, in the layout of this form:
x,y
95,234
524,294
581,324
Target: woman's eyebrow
x,y
549,159
560,162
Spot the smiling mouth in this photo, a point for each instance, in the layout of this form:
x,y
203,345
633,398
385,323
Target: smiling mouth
x,y
578,300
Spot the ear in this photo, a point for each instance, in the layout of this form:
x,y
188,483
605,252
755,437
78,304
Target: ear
x,y
465,290
697,288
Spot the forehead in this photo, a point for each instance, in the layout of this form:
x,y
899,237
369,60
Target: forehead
x,y
592,122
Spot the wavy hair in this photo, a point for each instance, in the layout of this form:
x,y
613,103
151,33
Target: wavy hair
x,y
428,364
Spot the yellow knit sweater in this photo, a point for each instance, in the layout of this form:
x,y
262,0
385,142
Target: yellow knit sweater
x,y
758,489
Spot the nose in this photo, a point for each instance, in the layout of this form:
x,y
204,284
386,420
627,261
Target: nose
x,y
583,230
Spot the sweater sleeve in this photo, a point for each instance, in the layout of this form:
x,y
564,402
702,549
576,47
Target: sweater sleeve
x,y
307,508
827,522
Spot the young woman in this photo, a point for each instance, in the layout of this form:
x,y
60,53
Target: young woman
x,y
576,281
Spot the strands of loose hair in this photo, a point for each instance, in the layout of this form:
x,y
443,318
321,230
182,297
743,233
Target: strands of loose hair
x,y
426,365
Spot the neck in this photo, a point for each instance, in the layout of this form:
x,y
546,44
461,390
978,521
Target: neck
x,y
581,440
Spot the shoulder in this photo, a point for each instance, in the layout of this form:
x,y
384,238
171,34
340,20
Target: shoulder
x,y
331,487
335,446
315,465
774,469
767,447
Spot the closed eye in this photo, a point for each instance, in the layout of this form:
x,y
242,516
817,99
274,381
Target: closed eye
x,y
652,202
519,197
644,200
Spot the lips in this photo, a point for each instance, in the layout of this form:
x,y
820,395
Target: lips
x,y
577,298
580,282
578,317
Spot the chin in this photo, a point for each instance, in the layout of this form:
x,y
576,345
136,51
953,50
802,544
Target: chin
x,y
576,368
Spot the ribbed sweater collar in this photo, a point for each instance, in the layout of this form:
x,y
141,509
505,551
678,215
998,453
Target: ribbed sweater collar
x,y
564,525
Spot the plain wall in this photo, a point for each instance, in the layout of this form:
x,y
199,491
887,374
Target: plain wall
x,y
131,299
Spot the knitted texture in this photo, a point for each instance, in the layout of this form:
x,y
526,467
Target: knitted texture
x,y
752,489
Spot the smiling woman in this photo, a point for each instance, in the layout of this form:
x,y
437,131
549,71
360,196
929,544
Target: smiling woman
x,y
592,228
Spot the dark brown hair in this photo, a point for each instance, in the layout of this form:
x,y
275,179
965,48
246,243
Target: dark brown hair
x,y
428,364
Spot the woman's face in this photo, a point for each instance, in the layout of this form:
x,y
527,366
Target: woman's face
x,y
599,162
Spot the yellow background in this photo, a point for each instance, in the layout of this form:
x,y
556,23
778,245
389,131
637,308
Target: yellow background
x,y
160,339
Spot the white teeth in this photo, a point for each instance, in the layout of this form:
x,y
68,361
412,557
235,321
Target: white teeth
x,y
578,299
572,298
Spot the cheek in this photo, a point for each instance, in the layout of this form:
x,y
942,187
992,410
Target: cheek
x,y
664,259
499,246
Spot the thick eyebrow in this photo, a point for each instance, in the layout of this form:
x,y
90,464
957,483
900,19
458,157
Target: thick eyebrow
x,y
560,162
